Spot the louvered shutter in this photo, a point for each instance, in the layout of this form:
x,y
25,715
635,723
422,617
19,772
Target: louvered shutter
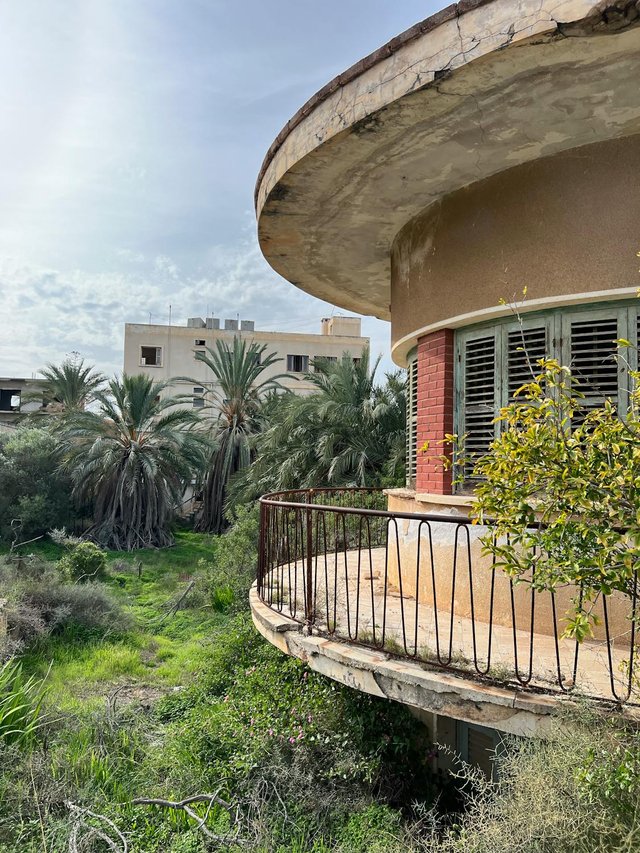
x,y
592,360
412,421
524,348
479,397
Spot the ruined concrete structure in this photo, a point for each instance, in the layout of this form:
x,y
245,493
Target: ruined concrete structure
x,y
491,147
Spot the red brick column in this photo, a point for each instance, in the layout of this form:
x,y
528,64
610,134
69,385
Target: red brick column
x,y
435,410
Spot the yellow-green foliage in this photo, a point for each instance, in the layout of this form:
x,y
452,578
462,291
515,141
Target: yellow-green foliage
x,y
84,562
577,470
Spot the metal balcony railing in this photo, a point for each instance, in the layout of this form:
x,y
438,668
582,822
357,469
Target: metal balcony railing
x,y
420,586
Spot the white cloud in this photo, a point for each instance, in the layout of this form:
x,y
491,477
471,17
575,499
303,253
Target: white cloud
x,y
49,313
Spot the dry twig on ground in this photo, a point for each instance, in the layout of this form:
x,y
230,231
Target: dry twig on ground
x,y
83,833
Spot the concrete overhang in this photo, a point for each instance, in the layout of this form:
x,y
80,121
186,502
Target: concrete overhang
x,y
470,92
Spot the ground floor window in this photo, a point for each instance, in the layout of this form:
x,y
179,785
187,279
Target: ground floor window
x,y
412,421
493,360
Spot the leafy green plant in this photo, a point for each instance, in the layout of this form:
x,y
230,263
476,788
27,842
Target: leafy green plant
x,y
133,459
235,400
20,704
374,828
84,562
32,488
229,575
559,485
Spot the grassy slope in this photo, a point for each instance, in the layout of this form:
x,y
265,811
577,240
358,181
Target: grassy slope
x,y
156,653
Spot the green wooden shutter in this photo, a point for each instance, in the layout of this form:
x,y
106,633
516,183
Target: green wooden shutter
x,y
524,347
593,364
478,397
412,422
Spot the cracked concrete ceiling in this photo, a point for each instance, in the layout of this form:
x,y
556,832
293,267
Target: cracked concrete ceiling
x,y
462,96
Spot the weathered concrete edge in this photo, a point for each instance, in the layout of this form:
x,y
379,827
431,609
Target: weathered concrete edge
x,y
433,690
455,10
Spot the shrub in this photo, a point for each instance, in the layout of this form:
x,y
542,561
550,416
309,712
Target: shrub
x,y
84,562
278,732
228,577
574,792
580,482
40,603
31,486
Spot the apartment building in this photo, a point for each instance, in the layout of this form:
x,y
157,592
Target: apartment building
x,y
168,351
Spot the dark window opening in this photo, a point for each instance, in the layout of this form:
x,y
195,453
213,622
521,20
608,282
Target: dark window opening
x,y
297,363
151,356
9,400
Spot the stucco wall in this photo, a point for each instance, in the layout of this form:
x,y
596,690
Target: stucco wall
x,y
446,539
565,225
178,346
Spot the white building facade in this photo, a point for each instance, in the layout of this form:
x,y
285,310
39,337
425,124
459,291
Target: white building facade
x,y
164,352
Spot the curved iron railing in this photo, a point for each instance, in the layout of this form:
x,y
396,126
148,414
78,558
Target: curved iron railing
x,y
418,586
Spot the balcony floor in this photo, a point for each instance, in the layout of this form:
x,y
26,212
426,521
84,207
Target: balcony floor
x,y
356,610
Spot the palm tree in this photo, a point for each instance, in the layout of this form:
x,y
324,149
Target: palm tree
x,y
235,402
71,385
133,460
350,432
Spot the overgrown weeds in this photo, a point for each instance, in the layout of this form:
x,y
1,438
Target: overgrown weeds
x,y
41,603
20,705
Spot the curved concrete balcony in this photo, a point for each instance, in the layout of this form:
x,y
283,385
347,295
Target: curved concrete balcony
x,y
407,606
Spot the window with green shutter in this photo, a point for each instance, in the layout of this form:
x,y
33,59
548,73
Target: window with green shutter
x,y
412,422
494,360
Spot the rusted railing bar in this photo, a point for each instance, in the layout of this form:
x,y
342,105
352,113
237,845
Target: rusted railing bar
x,y
295,546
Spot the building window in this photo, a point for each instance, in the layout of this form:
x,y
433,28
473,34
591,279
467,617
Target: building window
x,y
9,400
324,360
479,746
198,354
494,361
199,342
151,356
297,363
412,421
198,399
356,361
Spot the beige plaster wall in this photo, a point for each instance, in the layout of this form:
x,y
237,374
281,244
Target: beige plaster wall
x,y
178,348
565,225
446,538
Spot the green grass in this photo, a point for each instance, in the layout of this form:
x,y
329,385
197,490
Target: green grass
x,y
161,651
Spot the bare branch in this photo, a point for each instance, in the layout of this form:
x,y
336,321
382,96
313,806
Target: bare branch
x,y
78,844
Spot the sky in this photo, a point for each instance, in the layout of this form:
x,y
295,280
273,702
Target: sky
x,y
132,133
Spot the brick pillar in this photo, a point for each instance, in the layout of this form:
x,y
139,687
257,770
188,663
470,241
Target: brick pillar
x,y
435,410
